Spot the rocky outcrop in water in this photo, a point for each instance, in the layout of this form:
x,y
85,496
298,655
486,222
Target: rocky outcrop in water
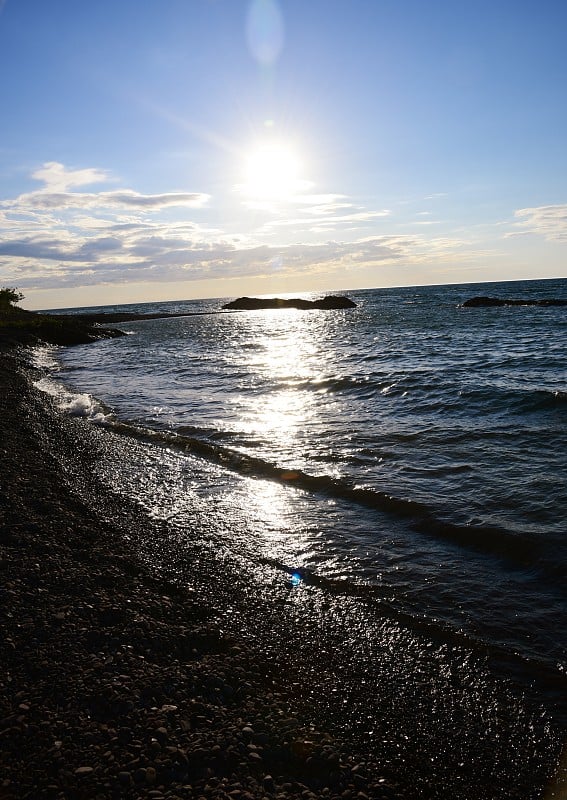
x,y
487,302
330,302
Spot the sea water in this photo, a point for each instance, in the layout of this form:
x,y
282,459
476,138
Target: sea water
x,y
409,447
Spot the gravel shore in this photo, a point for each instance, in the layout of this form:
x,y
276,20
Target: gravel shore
x,y
117,683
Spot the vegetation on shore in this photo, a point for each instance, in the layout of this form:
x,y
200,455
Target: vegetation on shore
x,y
18,326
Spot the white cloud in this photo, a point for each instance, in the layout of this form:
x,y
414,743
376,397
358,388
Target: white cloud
x,y
55,194
548,221
146,255
58,179
330,219
56,238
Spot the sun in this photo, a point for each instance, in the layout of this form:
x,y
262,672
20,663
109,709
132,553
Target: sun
x,y
272,172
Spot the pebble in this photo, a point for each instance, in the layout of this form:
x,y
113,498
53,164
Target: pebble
x,y
125,778
151,775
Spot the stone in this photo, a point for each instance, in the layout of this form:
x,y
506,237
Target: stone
x,y
268,783
151,775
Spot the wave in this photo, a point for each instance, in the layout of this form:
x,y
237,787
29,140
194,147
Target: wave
x,y
43,357
75,404
515,400
546,399
426,391
365,386
520,549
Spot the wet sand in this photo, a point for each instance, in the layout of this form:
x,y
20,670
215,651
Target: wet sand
x,y
118,682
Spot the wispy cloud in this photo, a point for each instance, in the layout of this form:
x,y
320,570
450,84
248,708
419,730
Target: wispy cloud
x,y
329,219
548,221
119,199
164,255
57,238
57,178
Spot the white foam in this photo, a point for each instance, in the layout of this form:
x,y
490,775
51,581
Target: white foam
x,y
43,357
75,405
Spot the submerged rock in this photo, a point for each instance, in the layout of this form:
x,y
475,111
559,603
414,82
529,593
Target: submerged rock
x,y
255,303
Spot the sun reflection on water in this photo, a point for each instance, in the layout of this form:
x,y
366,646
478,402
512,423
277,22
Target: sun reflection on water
x,y
283,408
286,363
281,541
269,502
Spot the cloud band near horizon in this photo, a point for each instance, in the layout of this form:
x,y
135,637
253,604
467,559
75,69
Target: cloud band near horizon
x,y
58,237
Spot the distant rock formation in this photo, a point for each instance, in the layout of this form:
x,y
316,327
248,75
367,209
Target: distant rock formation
x,y
482,302
255,303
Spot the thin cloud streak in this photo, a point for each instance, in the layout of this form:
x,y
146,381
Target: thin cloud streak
x,y
124,198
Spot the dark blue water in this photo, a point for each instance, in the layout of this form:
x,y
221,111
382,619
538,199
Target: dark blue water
x,y
410,448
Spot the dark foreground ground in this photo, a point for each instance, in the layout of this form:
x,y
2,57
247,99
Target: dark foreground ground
x,y
117,684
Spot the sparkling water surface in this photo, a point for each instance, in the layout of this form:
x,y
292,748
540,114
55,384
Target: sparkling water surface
x,y
409,445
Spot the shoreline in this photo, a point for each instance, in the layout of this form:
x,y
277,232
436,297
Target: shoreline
x,y
122,684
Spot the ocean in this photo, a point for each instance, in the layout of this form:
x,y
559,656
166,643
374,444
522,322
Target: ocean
x,y
408,452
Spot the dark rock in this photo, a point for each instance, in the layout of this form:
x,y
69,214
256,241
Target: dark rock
x,y
330,302
268,783
125,778
494,302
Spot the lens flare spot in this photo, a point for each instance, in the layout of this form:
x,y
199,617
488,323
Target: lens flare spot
x,y
265,31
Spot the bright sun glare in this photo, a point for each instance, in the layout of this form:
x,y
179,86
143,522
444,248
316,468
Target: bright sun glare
x,y
273,172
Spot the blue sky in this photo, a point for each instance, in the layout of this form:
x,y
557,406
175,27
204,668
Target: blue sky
x,y
212,148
